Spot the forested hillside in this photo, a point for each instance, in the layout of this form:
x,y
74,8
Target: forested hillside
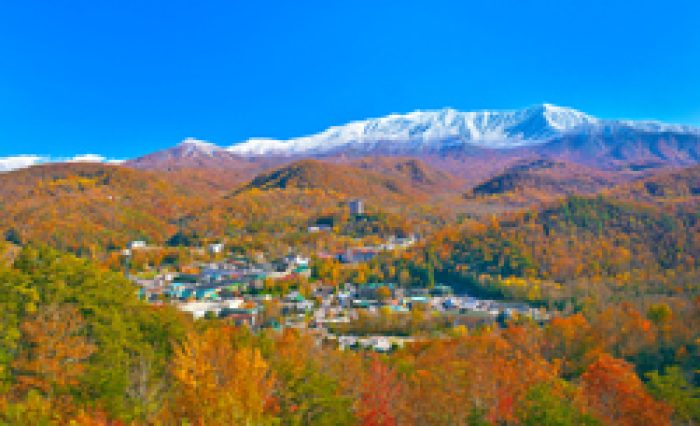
x,y
396,183
544,179
88,208
579,238
680,187
91,209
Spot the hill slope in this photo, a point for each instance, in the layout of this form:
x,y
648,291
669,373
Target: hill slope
x,y
542,179
88,207
340,178
678,187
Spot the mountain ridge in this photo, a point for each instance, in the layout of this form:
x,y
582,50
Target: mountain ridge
x,y
437,129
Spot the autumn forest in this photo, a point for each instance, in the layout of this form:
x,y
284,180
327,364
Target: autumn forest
x,y
611,259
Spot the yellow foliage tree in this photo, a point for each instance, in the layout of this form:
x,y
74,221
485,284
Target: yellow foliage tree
x,y
219,384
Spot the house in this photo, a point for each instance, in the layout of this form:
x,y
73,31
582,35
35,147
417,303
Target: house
x,y
233,303
200,309
215,248
345,299
278,269
450,303
358,255
297,260
318,228
412,301
303,271
323,322
323,291
137,244
364,303
347,342
298,265
297,321
381,344
295,302
207,293
220,275
394,242
176,290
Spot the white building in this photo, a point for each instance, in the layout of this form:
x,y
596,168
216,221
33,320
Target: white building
x,y
199,309
215,248
137,244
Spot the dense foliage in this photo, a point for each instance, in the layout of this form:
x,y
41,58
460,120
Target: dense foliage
x,y
90,208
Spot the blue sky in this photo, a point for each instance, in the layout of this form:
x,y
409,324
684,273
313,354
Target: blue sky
x,y
124,78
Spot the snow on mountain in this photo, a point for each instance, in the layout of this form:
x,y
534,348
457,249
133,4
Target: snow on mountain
x,y
431,129
447,127
196,147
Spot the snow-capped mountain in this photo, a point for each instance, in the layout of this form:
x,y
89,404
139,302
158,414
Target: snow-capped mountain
x,y
462,139
448,128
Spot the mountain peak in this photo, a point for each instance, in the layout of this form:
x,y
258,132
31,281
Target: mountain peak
x,y
193,146
197,142
190,153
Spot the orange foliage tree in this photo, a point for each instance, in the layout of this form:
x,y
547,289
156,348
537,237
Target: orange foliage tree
x,y
617,396
380,395
54,351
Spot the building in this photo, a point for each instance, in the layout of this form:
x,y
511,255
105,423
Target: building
x,y
358,255
295,302
357,207
215,248
200,309
137,244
